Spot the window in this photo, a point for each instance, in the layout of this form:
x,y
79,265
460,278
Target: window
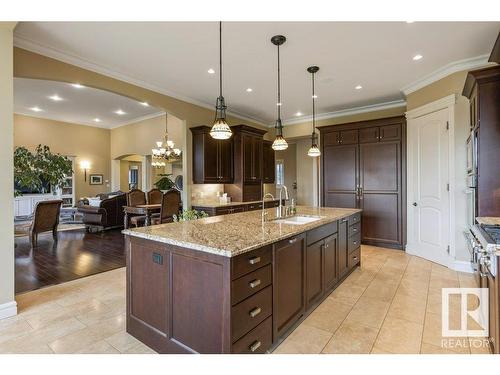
x,y
280,172
133,177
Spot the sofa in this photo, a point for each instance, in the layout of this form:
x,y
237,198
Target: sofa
x,y
103,212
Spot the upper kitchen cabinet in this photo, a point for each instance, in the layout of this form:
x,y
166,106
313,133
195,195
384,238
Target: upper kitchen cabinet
x,y
482,87
268,163
212,159
363,166
248,164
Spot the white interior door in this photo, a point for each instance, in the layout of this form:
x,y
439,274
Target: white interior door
x,y
428,179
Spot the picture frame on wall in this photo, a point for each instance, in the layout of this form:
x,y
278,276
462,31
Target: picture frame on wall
x,y
96,179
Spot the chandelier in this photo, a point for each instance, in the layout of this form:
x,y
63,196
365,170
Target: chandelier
x,y
165,151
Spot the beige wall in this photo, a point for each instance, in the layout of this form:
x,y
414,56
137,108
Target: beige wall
x,y
7,303
452,84
84,142
307,175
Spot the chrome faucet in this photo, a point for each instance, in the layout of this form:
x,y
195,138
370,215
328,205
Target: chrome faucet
x,y
264,213
281,206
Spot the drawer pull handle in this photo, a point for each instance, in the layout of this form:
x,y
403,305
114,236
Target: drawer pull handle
x,y
254,283
255,312
293,240
254,260
344,220
256,345
355,242
326,246
354,229
355,258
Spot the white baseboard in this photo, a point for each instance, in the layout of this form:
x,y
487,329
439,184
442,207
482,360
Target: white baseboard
x,y
462,266
8,309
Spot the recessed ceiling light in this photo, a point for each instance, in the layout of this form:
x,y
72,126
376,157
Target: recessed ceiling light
x,y
97,119
315,96
120,112
145,104
36,109
298,114
358,87
77,85
249,89
56,98
417,57
211,71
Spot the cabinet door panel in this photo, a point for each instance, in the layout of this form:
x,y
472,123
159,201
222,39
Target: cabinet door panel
x,y
314,273
211,158
331,139
257,158
268,163
340,167
342,200
381,220
379,166
349,137
330,256
369,135
247,143
226,161
390,133
288,283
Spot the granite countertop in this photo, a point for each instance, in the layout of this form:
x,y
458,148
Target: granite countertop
x,y
215,204
488,220
234,234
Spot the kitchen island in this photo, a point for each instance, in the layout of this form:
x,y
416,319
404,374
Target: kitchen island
x,y
233,283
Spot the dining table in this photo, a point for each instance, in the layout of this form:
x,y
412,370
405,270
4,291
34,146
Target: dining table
x,y
140,209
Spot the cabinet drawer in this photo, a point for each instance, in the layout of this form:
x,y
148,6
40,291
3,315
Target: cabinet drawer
x,y
257,341
354,229
353,242
317,234
252,311
248,262
354,258
355,218
250,284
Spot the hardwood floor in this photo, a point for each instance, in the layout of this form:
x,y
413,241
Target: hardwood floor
x,y
75,254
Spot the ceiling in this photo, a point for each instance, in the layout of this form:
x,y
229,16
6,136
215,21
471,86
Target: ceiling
x,y
81,105
173,58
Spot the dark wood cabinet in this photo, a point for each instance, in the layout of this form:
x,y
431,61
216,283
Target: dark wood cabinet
x,y
368,171
343,254
482,87
212,159
248,146
331,261
314,280
268,163
289,270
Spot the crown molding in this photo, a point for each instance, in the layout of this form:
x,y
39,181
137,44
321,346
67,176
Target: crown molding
x,y
456,66
138,119
347,112
23,42
434,106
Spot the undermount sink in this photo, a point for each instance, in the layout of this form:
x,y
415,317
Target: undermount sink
x,y
298,220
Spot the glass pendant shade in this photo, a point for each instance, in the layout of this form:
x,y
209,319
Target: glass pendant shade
x,y
220,129
314,151
279,143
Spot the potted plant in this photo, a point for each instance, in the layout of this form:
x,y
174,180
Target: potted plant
x,y
165,183
190,215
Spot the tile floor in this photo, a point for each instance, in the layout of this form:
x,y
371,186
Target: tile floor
x,y
391,305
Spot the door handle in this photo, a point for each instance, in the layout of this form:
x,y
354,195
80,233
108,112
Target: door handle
x,y
415,204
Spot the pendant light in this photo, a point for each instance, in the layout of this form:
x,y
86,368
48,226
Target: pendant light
x,y
220,128
314,150
279,143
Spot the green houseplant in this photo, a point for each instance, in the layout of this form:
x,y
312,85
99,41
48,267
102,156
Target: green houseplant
x,y
165,183
31,169
190,215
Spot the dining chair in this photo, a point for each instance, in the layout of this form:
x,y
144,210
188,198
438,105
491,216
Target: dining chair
x,y
154,196
45,219
170,204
